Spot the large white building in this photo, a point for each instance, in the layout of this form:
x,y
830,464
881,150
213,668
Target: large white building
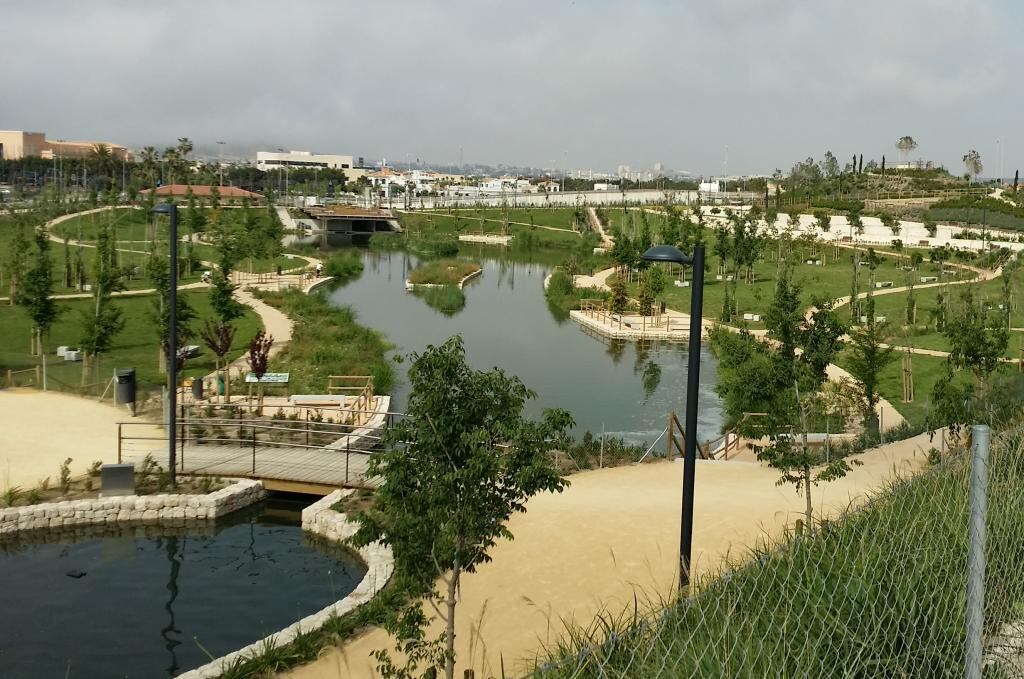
x,y
271,160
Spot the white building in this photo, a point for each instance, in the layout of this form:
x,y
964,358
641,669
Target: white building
x,y
605,186
709,187
505,184
421,180
271,160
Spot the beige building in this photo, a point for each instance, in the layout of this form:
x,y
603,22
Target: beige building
x,y
16,144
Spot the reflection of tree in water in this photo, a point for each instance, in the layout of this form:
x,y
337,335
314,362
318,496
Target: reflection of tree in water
x,y
651,378
647,368
616,348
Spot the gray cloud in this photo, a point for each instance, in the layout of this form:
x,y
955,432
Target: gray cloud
x,y
544,83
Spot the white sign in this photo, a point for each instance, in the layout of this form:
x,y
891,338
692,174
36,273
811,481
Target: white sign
x,y
268,378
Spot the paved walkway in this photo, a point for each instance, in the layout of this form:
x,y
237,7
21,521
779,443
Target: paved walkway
x,y
612,534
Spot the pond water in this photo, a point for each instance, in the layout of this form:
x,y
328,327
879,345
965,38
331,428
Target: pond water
x,y
626,388
139,601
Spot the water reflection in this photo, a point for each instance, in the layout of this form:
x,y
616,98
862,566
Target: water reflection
x,y
506,322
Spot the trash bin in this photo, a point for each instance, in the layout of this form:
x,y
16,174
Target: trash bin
x,y
662,307
197,388
125,385
278,269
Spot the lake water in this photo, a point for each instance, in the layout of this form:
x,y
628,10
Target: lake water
x,y
625,387
140,602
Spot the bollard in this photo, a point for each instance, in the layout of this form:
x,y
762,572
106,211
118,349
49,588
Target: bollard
x,y
980,440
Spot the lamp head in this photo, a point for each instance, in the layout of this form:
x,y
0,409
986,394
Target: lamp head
x,y
666,253
165,208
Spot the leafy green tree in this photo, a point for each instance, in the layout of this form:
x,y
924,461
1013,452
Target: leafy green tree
x,y
889,220
462,462
972,164
868,358
930,225
822,220
978,339
620,298
101,323
856,223
36,294
160,274
16,263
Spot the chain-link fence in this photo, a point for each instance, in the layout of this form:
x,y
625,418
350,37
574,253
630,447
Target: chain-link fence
x,y
880,592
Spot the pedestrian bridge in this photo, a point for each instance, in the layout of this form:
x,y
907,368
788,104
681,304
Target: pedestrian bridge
x,y
308,455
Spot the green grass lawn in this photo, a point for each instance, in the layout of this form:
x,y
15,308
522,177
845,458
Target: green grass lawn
x,y
135,346
208,253
435,224
926,372
832,280
131,224
557,217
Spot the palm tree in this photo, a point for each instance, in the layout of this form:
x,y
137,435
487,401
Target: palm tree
x,y
102,160
972,163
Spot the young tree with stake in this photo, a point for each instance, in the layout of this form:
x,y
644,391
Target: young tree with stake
x,y
453,472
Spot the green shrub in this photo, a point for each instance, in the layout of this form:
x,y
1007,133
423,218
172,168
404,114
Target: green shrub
x,y
344,266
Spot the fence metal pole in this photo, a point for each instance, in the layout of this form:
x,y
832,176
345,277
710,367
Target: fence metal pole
x,y
253,429
119,443
980,441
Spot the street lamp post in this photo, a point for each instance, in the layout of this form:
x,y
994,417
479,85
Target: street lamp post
x,y
171,210
667,253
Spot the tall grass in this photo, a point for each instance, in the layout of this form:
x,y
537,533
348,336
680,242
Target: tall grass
x,y
877,593
442,272
344,265
326,341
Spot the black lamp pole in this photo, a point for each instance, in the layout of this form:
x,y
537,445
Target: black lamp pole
x,y
171,210
667,253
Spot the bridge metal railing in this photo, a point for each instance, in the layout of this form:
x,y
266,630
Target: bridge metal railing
x,y
299,450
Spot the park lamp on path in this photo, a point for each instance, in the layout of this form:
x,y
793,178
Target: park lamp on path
x,y
171,210
667,253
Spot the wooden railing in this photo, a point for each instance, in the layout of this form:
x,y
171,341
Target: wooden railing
x,y
361,409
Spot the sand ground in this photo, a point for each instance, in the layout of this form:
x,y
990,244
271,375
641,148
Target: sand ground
x,y
613,533
42,429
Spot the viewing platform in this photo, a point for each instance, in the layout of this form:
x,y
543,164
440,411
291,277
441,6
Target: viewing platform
x,y
668,325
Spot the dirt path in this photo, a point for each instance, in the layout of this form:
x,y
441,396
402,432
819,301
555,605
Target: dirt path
x,y
613,533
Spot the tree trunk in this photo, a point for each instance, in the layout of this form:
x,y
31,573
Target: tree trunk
x,y
807,488
453,586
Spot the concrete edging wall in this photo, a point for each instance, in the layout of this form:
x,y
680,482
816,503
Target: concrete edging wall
x,y
146,509
320,519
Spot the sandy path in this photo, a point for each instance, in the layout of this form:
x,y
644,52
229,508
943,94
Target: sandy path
x,y
612,533
44,428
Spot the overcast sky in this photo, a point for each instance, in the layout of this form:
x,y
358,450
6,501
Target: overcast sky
x,y
550,83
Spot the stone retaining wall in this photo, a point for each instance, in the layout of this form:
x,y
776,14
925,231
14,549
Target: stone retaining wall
x,y
320,519
145,509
